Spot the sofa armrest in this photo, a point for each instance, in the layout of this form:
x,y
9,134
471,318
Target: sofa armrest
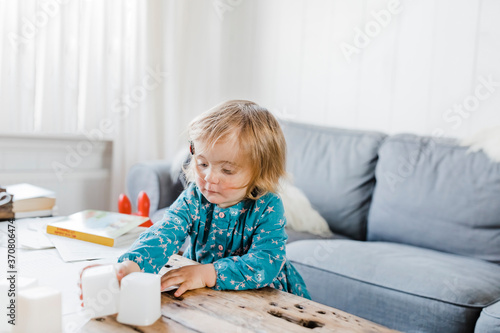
x,y
161,180
489,320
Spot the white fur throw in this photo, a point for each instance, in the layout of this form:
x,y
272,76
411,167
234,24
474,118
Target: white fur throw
x,y
299,213
487,140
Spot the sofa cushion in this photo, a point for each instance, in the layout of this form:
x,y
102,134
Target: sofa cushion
x,y
294,236
400,286
435,194
335,169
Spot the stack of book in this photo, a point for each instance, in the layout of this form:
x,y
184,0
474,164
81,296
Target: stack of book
x,y
6,205
31,201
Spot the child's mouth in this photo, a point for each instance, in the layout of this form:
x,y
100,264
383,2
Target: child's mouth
x,y
210,192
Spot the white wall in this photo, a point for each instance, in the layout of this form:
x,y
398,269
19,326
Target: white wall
x,y
429,57
75,168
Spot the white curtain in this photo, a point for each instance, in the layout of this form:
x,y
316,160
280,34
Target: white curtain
x,y
132,71
146,67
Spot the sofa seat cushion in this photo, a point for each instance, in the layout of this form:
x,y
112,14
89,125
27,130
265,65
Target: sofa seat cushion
x,y
435,194
415,287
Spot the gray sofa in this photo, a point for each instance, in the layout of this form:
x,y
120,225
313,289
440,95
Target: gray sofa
x,y
416,223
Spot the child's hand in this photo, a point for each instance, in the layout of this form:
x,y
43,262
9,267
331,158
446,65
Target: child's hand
x,y
122,269
189,277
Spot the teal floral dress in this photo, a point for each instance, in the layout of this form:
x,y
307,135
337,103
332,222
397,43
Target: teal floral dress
x,y
245,242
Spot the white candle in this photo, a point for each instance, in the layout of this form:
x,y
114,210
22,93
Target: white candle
x,y
39,310
100,291
140,299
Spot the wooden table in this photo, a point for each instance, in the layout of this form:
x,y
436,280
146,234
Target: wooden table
x,y
263,310
201,310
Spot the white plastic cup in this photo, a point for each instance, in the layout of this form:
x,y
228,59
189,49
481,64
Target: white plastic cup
x,y
100,291
140,299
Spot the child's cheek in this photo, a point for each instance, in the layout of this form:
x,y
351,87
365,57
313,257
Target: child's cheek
x,y
199,180
198,174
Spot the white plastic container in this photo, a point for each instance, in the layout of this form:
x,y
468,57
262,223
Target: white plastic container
x,y
140,299
39,310
7,287
100,290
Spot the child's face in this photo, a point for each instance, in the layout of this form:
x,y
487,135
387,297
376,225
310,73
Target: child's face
x,y
221,172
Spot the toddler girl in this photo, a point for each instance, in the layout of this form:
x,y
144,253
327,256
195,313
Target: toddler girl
x,y
230,210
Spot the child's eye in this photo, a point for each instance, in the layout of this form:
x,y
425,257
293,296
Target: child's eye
x,y
227,172
202,165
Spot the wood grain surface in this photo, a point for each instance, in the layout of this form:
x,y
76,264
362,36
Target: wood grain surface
x,y
263,310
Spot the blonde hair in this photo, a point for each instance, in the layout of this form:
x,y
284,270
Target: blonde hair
x,y
259,137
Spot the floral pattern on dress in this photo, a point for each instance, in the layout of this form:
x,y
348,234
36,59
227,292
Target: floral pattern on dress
x,y
245,242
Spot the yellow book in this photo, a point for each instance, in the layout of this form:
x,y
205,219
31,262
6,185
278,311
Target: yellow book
x,y
95,226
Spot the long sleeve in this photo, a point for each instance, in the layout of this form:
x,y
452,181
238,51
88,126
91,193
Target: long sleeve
x,y
266,255
154,246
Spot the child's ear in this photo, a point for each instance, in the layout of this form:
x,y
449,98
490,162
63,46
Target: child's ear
x,y
191,147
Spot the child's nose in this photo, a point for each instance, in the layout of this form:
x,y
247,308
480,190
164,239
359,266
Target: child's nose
x,y
211,177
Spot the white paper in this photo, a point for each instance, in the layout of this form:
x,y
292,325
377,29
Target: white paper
x,y
165,270
30,233
26,191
